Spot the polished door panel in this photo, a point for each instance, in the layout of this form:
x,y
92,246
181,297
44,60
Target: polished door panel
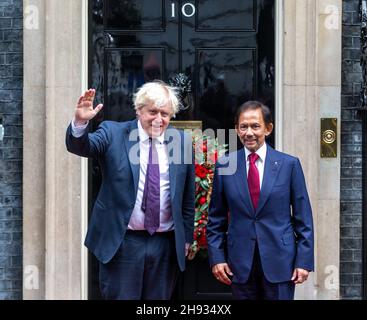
x,y
238,35
138,15
219,15
225,80
126,70
132,42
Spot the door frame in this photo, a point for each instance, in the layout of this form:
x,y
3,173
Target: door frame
x,y
84,161
278,74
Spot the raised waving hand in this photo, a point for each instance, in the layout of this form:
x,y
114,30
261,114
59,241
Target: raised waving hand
x,y
84,108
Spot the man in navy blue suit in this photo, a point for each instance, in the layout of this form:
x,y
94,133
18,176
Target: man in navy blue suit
x,y
143,217
260,228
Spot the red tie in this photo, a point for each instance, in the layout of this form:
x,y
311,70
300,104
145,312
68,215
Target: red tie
x,y
253,179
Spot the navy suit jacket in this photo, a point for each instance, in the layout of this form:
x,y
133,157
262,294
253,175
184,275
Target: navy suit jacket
x,y
116,199
281,225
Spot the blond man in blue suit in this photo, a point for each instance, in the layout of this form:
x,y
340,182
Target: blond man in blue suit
x,y
143,218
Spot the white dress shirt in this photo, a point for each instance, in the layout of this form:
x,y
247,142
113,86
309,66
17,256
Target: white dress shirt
x,y
78,131
137,217
260,162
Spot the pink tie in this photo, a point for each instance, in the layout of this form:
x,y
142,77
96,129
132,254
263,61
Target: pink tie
x,y
253,180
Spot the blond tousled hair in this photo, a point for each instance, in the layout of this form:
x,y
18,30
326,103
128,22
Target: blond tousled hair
x,y
151,92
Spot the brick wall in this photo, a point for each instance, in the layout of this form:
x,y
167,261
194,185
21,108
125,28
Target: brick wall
x,y
11,83
351,157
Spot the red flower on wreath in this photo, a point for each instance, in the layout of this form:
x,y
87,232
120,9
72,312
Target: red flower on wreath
x,y
202,200
200,171
202,241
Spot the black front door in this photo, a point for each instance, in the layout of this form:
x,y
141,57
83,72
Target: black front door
x,y
225,51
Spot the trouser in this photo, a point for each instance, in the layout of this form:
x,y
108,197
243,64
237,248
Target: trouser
x,y
144,268
258,287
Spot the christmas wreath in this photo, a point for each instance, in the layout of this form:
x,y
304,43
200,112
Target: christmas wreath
x,y
207,150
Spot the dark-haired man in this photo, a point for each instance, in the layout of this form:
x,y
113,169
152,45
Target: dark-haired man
x,y
260,228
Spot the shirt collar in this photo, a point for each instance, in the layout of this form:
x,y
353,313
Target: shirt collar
x,y
143,136
261,152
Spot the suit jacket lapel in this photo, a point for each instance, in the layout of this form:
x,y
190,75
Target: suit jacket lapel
x,y
135,167
271,170
174,146
241,180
